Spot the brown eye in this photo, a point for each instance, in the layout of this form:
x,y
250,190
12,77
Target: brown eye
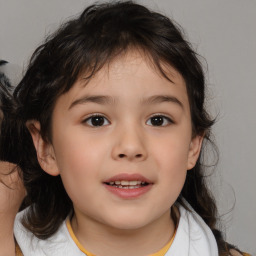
x,y
96,120
159,120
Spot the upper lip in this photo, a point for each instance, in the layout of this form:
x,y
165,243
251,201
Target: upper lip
x,y
128,177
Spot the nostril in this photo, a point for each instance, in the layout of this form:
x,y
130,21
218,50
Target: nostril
x,y
124,155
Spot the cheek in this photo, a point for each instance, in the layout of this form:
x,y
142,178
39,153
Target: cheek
x,y
77,172
171,157
171,154
79,162
75,151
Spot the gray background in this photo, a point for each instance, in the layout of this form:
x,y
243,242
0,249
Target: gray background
x,y
223,31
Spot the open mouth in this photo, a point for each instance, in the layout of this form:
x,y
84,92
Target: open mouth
x,y
125,184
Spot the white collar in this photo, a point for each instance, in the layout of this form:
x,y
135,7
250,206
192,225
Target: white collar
x,y
193,236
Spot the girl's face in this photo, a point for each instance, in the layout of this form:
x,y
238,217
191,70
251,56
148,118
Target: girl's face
x,y
122,144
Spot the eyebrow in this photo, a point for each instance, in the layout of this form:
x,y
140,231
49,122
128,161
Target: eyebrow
x,y
99,99
161,99
108,100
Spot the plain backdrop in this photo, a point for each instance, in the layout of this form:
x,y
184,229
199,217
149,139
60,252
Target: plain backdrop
x,y
223,32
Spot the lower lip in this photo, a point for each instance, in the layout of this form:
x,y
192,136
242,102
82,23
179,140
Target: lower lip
x,y
128,193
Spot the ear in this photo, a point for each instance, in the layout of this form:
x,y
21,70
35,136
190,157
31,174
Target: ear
x,y
45,151
194,151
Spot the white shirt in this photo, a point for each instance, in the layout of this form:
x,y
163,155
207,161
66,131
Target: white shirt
x,y
193,238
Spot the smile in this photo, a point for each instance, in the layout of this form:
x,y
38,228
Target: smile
x,y
126,184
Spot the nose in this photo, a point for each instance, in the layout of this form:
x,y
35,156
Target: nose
x,y
129,144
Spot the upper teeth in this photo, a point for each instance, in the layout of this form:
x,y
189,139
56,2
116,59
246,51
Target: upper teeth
x,y
126,182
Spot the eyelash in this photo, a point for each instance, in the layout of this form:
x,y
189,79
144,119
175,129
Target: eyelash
x,y
92,116
165,119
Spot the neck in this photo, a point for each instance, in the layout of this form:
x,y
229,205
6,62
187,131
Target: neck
x,y
142,241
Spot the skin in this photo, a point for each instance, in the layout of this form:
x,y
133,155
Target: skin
x,y
127,142
12,193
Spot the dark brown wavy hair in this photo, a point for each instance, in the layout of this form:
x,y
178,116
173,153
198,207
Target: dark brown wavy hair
x,y
83,46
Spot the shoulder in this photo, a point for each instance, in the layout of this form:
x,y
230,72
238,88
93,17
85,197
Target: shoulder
x,y
58,244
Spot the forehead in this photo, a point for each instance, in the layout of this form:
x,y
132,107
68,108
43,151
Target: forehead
x,y
131,74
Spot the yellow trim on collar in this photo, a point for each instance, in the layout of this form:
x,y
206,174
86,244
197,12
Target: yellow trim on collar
x,y
162,252
81,248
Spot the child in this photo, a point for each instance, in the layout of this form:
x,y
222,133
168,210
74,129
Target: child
x,y
114,104
12,190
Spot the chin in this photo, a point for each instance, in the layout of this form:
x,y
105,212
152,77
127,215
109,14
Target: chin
x,y
129,221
